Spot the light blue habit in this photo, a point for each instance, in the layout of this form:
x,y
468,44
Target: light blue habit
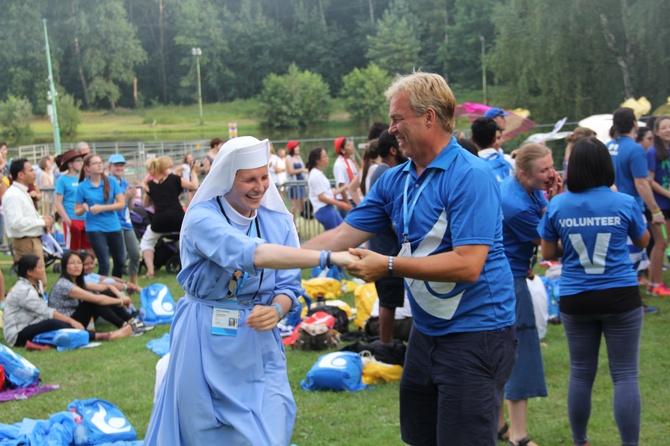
x,y
221,389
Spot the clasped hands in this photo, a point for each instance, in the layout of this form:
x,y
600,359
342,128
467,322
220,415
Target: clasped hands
x,y
362,263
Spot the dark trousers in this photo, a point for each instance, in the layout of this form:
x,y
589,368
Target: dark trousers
x,y
622,333
452,386
104,244
113,314
28,333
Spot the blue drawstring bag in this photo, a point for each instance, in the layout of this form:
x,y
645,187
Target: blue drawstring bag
x,y
103,421
157,304
18,370
336,371
63,339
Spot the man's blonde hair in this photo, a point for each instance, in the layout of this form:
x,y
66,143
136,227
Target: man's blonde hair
x,y
427,90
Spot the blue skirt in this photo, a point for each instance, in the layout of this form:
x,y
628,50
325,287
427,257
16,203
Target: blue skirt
x,y
221,389
527,379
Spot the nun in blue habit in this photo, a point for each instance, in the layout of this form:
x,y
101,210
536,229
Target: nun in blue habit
x,y
226,381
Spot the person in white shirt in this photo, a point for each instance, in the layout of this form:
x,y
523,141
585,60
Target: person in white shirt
x,y
345,168
321,194
23,224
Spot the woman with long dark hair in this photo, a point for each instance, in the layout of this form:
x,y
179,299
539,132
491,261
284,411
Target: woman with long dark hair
x,y
658,161
99,197
27,313
321,194
588,228
71,297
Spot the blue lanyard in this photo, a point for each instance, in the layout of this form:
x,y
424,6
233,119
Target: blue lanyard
x,y
407,213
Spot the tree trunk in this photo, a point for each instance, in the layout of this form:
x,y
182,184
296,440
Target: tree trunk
x,y
163,64
624,57
80,66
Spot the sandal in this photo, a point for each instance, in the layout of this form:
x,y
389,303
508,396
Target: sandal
x,y
503,433
525,441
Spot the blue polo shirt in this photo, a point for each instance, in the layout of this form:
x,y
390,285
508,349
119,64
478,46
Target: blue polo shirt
x,y
593,226
521,215
629,162
107,221
460,205
124,214
67,187
661,171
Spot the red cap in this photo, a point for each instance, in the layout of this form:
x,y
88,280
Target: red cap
x,y
291,144
339,143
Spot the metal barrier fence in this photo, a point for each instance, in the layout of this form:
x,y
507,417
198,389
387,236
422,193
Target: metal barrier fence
x,y
136,153
307,228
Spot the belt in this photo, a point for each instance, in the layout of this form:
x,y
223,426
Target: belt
x,y
231,304
28,236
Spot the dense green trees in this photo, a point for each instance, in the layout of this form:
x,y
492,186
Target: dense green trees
x,y
569,58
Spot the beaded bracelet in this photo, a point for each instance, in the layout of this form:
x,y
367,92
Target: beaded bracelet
x,y
390,266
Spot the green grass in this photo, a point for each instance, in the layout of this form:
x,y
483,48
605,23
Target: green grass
x,y
123,373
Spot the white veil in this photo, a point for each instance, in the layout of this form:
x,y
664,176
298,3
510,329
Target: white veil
x,y
245,152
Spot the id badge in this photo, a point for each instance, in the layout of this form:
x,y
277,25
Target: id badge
x,y
405,250
224,322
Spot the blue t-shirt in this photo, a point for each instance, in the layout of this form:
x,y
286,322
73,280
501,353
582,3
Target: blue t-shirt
x,y
521,215
124,214
661,171
106,221
460,205
67,186
629,163
593,226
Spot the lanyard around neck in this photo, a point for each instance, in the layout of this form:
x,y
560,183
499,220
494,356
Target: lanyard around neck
x,y
407,213
242,280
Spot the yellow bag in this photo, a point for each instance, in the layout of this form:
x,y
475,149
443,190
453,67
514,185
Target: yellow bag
x,y
364,299
328,287
375,372
342,305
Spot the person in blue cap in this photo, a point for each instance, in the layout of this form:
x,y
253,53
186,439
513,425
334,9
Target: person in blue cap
x,y
117,168
498,115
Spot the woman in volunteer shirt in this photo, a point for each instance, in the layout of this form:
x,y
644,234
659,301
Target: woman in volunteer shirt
x,y
321,194
523,203
98,197
588,227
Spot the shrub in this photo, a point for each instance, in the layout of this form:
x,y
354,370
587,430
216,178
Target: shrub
x,y
69,114
15,116
298,99
363,93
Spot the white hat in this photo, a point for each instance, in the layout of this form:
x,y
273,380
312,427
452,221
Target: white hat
x,y
245,152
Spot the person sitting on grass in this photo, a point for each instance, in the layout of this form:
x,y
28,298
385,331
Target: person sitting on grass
x,y
70,296
28,315
91,277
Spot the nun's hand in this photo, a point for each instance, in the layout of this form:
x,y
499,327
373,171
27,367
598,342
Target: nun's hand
x,y
263,317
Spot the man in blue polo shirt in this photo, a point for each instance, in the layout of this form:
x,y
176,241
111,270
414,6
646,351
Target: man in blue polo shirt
x,y
630,163
444,205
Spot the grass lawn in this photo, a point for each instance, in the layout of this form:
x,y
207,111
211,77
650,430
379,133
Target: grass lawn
x,y
123,373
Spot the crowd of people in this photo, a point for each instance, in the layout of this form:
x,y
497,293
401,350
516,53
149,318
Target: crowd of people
x,y
454,225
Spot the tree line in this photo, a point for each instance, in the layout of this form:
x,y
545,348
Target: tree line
x,y
574,58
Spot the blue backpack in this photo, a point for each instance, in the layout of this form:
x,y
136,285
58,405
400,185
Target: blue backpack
x,y
18,371
63,339
499,166
103,421
157,304
336,371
